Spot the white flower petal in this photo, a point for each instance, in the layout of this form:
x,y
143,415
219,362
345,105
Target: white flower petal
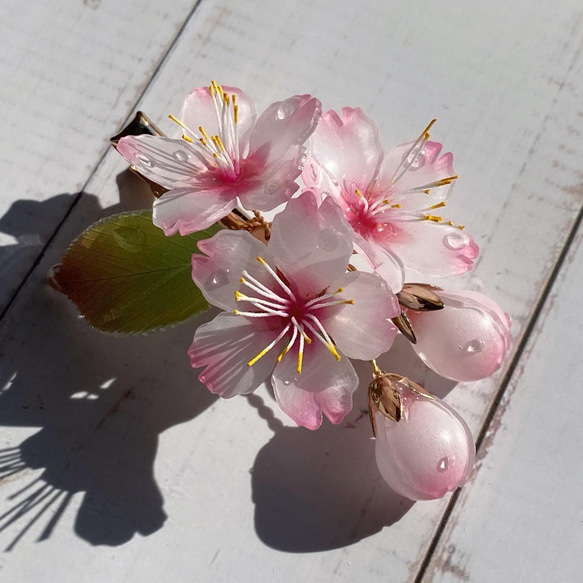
x,y
227,255
224,347
311,245
325,386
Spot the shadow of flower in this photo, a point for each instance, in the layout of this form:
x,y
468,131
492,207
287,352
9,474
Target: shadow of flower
x,y
99,406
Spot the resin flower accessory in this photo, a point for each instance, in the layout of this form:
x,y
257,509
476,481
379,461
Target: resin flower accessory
x,y
295,310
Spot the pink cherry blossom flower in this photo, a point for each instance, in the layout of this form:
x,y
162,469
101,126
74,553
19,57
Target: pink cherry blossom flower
x,y
292,313
430,451
227,156
390,200
466,340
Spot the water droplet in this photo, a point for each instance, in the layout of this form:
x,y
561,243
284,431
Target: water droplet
x,y
443,464
181,156
474,346
287,382
217,279
416,161
129,238
456,241
328,240
144,161
287,107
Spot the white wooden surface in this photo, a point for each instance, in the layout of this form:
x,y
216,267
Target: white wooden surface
x,y
129,470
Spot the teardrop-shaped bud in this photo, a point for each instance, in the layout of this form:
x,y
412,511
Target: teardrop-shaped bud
x,y
428,452
466,340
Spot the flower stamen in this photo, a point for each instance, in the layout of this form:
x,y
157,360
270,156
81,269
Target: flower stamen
x,y
259,288
425,188
413,153
289,345
269,346
258,303
273,274
328,341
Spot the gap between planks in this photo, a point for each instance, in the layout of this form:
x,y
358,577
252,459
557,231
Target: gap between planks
x,y
543,298
77,197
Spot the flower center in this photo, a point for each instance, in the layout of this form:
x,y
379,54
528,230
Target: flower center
x,y
220,151
300,318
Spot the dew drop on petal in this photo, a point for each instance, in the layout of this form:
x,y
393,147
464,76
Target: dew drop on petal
x,y
144,161
456,241
181,156
474,346
443,464
217,279
416,162
328,240
287,108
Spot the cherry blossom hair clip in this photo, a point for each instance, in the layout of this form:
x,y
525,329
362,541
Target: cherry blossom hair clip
x,y
295,311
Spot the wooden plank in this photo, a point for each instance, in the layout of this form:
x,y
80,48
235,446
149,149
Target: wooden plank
x,y
520,517
71,71
313,506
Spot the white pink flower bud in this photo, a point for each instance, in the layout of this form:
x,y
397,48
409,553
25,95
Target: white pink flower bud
x,y
426,454
466,340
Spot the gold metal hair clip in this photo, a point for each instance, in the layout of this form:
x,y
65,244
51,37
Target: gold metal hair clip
x,y
141,125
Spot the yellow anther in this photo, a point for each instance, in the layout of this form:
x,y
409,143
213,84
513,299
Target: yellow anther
x,y
433,218
461,227
215,155
238,296
226,98
242,280
203,141
447,180
220,143
236,312
351,302
282,353
235,113
358,193
215,86
333,350
234,98
187,139
300,359
261,260
450,223
437,206
340,289
427,191
176,120
430,125
386,201
306,337
396,206
262,353
204,134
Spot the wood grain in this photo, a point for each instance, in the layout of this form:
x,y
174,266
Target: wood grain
x,y
71,71
520,518
237,493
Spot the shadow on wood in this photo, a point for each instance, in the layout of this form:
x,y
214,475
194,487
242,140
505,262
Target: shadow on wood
x,y
316,491
100,402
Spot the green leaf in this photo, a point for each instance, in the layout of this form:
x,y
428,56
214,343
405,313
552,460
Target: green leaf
x,y
124,275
